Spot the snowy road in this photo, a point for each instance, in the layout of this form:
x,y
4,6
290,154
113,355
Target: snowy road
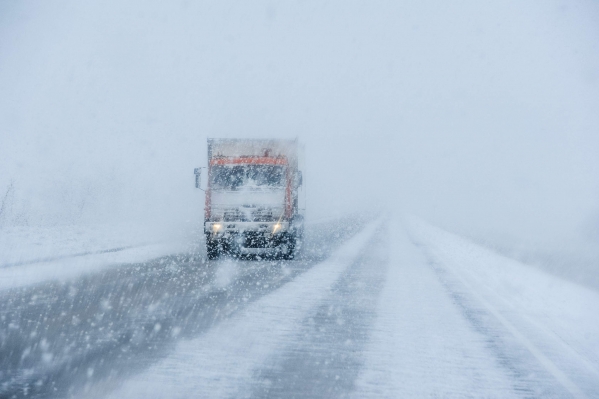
x,y
380,309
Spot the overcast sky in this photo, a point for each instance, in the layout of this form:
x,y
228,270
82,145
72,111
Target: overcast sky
x,y
477,115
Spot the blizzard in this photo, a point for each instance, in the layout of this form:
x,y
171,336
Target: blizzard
x,y
400,309
299,199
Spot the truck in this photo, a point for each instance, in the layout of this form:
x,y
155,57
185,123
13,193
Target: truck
x,y
254,198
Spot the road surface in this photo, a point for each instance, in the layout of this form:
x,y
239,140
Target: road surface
x,y
388,308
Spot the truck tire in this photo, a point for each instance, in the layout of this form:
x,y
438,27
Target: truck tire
x,y
212,249
291,244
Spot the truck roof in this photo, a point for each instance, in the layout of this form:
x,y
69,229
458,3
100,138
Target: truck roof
x,y
248,160
260,149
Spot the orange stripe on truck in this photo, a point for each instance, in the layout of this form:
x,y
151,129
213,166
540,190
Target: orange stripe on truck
x,y
249,161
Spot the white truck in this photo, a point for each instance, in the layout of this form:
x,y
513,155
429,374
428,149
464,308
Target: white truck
x,y
255,201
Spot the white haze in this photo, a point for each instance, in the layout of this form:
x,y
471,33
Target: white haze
x,y
482,117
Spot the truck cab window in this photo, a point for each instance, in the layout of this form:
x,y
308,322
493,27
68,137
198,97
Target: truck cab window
x,y
234,177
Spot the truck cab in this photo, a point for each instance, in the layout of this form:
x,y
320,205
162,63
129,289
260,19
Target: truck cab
x,y
253,198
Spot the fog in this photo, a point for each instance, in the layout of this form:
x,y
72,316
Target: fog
x,y
482,118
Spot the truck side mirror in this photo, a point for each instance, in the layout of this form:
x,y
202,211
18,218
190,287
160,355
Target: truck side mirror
x,y
300,178
198,173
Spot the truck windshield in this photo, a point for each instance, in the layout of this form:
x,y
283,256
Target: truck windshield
x,y
234,177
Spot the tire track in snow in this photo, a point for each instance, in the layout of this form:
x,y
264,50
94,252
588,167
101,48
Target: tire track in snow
x,y
560,376
222,363
500,297
421,345
324,357
131,317
529,379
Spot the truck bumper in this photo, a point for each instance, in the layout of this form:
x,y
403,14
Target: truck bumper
x,y
218,229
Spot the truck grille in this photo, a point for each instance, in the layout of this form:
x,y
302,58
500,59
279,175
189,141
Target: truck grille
x,y
263,215
255,215
233,215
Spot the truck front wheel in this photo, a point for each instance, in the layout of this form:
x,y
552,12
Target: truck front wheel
x,y
212,249
289,244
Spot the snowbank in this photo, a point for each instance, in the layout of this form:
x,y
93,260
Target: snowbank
x,y
30,255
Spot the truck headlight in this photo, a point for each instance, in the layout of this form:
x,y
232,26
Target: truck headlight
x,y
216,227
276,228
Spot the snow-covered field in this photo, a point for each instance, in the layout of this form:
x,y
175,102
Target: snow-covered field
x,y
30,255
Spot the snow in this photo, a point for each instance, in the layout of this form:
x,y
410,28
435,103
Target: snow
x,y
482,117
421,346
453,320
225,273
247,195
221,363
30,255
401,309
553,319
